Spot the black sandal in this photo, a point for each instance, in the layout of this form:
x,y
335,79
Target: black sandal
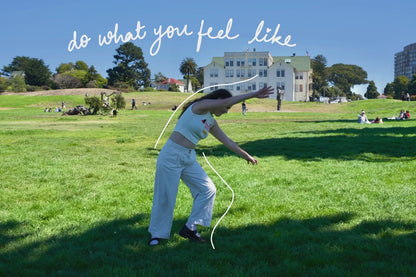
x,y
152,240
191,235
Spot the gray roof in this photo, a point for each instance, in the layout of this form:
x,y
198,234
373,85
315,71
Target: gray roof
x,y
300,63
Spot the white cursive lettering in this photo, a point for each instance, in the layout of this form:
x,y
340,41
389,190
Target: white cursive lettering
x,y
169,32
108,39
83,42
274,39
220,34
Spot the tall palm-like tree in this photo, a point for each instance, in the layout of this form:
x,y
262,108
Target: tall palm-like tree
x,y
188,67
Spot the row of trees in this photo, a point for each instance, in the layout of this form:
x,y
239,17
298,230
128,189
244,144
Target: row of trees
x,y
343,77
31,74
130,72
394,90
400,87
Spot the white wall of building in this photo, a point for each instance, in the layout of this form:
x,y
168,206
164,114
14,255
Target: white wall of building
x,y
271,71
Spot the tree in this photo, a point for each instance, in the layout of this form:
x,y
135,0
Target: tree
x,y
200,76
371,92
159,78
188,67
389,90
36,72
18,84
319,77
66,80
130,68
345,76
400,86
412,86
87,76
64,67
80,65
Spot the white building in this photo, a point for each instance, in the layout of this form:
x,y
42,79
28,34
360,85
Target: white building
x,y
292,74
166,84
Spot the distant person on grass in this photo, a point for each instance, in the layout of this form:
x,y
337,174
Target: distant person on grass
x,y
177,160
244,108
362,118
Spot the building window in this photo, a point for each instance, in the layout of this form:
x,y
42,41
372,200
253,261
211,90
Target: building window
x,y
241,87
262,61
242,72
229,62
229,87
280,73
299,88
280,85
252,62
213,86
263,73
251,86
240,62
229,73
263,85
214,73
251,72
299,75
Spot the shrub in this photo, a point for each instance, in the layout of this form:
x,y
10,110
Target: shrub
x,y
118,101
66,80
148,89
18,84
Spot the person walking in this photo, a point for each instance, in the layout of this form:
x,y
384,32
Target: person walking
x,y
177,161
244,108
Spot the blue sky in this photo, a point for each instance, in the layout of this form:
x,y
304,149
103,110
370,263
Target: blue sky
x,y
366,33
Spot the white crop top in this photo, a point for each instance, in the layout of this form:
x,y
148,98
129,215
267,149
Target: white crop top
x,y
193,126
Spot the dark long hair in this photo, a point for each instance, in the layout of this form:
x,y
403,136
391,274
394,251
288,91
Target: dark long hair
x,y
216,94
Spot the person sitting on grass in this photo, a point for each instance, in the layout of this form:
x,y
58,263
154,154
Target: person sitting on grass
x,y
362,118
177,161
407,115
402,116
378,120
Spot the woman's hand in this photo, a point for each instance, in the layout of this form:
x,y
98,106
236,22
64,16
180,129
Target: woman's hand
x,y
264,92
251,160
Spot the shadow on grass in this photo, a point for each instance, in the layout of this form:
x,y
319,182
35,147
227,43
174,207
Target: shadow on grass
x,y
369,144
320,246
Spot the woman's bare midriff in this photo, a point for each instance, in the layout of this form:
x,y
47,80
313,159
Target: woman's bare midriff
x,y
178,138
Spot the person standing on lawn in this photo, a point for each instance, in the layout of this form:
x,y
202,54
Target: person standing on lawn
x,y
177,160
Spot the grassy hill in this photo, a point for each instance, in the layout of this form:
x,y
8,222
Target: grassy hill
x,y
329,197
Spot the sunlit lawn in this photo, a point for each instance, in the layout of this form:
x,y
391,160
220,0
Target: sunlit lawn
x,y
329,197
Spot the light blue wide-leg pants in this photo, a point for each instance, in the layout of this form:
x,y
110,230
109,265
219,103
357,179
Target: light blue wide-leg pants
x,y
176,162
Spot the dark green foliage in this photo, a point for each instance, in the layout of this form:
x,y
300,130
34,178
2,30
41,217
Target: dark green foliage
x,y
118,101
95,103
188,68
371,92
345,76
35,71
400,86
130,68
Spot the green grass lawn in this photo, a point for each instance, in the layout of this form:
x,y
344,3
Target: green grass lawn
x,y
329,197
